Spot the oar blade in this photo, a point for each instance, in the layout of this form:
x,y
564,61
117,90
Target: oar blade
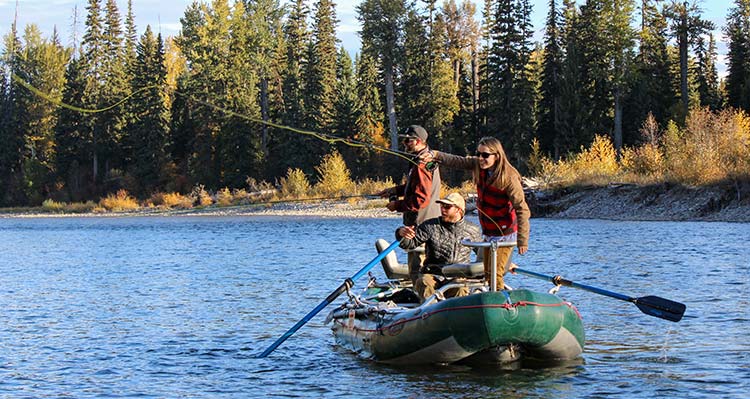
x,y
660,307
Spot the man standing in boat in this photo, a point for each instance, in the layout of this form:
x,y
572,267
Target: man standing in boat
x,y
442,238
419,192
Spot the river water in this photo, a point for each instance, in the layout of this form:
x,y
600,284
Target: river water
x,y
179,307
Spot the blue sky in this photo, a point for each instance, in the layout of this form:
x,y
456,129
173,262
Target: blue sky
x,y
164,15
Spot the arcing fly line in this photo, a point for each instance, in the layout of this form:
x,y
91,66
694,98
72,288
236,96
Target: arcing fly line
x,y
320,136
49,98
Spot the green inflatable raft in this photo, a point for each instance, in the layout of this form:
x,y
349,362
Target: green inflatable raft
x,y
387,324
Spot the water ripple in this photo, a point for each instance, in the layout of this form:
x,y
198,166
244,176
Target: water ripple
x,y
180,307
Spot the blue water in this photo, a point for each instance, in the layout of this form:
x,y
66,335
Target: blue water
x,y
179,307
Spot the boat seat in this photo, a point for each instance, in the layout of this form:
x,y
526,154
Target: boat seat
x,y
393,270
470,270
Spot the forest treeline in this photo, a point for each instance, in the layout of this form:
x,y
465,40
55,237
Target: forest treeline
x,y
148,114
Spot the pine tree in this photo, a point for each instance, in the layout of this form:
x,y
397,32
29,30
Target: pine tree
x,y
11,150
94,91
648,93
345,95
131,39
687,26
572,115
321,67
72,133
382,24
622,38
116,85
706,73
149,129
239,144
369,117
510,110
296,37
738,66
185,124
414,69
263,19
549,107
205,41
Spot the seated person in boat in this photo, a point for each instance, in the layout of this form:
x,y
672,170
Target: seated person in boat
x,y
442,238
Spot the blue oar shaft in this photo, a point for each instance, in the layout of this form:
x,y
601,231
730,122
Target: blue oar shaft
x,y
561,281
329,299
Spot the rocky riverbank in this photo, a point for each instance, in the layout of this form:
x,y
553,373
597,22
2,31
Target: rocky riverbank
x,y
728,203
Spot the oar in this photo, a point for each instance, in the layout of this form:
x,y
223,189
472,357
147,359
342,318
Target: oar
x,y
650,305
348,283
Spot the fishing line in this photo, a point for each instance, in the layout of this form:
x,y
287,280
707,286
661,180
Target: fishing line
x,y
330,139
49,98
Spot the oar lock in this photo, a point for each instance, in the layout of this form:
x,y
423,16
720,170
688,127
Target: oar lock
x,y
559,280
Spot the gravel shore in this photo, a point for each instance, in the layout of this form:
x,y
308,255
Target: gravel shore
x,y
321,209
616,202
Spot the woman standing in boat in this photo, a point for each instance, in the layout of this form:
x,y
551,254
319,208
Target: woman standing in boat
x,y
503,212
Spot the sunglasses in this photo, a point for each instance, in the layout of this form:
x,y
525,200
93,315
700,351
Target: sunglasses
x,y
446,206
485,155
409,139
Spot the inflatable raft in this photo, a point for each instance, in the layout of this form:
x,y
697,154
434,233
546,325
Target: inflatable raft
x,y
388,322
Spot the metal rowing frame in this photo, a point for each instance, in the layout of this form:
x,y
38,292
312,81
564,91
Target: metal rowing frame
x,y
493,246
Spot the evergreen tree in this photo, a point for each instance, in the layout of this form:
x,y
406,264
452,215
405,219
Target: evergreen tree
x,y
321,67
205,41
706,73
185,111
239,144
297,35
369,117
296,38
621,42
738,55
94,90
649,94
596,98
572,115
382,24
414,70
263,20
131,39
72,134
488,22
116,85
511,94
345,95
687,26
462,33
11,150
549,107
148,133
